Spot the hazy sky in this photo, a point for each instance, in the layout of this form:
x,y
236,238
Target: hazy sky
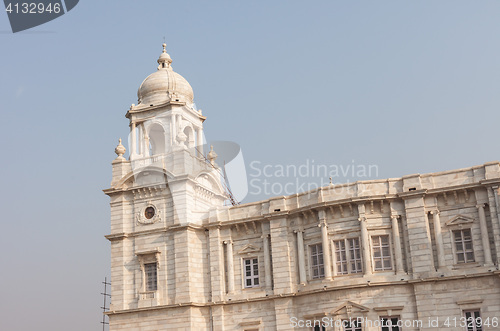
x,y
408,86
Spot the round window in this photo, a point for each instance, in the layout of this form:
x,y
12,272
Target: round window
x,y
149,212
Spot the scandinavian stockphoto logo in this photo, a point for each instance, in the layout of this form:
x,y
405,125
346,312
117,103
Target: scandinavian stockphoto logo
x,y
26,14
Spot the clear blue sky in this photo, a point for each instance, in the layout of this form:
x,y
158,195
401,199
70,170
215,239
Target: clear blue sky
x,y
411,86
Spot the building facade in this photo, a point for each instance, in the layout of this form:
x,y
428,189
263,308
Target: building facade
x,y
421,251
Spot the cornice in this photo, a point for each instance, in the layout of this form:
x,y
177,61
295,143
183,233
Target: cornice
x,y
116,236
413,194
490,182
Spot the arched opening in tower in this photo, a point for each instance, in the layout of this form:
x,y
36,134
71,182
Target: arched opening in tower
x,y
156,140
188,131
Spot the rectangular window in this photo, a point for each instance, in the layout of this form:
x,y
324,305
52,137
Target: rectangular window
x,y
317,265
319,328
473,320
381,253
150,272
341,257
463,246
355,255
351,325
347,256
390,323
251,272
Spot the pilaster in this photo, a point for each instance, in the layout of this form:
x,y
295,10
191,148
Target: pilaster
x,y
230,266
365,240
216,264
418,232
301,256
484,235
280,246
326,244
439,239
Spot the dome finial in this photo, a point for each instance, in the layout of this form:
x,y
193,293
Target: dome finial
x,y
120,149
164,60
212,155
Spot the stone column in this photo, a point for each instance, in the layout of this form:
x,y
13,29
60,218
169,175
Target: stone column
x,y
199,142
146,145
133,150
398,253
301,257
230,266
140,146
173,136
267,262
439,239
484,235
326,248
365,241
497,202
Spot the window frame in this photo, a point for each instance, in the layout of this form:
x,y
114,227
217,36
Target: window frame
x,y
382,257
349,250
474,327
344,263
463,251
321,328
399,328
253,276
320,266
148,258
153,279
357,327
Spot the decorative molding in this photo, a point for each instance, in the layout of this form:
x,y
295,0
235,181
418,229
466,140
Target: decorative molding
x,y
249,249
116,236
141,218
150,256
389,310
470,302
251,323
317,315
459,220
149,192
348,306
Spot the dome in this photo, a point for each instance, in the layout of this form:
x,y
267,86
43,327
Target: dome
x,y
164,85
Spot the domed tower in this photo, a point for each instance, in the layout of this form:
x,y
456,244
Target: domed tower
x,y
165,118
160,198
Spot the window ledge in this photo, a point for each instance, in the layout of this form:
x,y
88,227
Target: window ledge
x,y
348,275
466,265
146,295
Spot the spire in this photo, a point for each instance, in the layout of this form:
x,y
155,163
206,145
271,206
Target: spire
x,y
164,60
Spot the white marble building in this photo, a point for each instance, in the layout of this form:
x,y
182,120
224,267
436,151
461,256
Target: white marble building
x,y
421,250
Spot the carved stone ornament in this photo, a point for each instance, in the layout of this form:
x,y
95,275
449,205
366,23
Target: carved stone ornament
x,y
148,215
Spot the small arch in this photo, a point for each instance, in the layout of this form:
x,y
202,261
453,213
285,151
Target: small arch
x,y
188,131
156,140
